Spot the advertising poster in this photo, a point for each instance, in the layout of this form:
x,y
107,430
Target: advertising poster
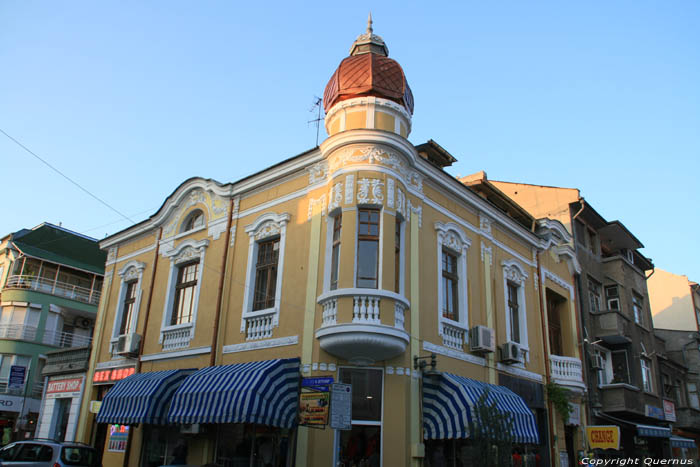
x,y
313,408
118,436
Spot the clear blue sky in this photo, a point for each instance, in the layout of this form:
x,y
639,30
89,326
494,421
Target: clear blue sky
x,y
131,98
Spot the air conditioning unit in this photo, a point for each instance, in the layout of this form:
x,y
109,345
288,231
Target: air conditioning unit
x,y
128,344
613,304
482,339
191,429
598,362
510,352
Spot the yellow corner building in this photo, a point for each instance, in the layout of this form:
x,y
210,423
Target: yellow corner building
x,y
360,261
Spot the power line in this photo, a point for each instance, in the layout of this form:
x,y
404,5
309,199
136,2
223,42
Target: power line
x,y
62,174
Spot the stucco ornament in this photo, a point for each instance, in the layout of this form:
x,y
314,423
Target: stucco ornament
x,y
187,254
215,205
363,191
336,197
390,193
377,195
318,172
514,272
268,229
377,155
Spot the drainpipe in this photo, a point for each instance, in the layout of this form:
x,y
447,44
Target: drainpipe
x,y
583,206
547,368
130,436
217,318
653,270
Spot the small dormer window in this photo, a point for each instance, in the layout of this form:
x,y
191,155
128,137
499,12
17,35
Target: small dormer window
x,y
194,220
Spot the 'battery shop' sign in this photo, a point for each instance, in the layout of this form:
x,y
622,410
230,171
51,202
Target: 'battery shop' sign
x,y
64,387
113,375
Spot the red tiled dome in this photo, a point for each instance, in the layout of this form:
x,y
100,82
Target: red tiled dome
x,y
368,74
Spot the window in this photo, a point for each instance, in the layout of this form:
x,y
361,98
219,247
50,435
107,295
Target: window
x,y
605,371
555,307
513,312
194,220
397,256
693,396
646,374
620,367
612,297
638,309
367,248
335,250
128,308
184,285
266,274
514,277
679,393
450,283
668,385
184,293
594,295
263,283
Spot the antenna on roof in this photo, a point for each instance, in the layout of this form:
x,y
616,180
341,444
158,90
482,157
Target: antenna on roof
x,y
316,106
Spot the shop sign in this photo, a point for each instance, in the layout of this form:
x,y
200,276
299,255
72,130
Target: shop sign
x,y
669,411
10,404
95,406
603,436
112,375
313,408
118,437
322,384
341,406
653,411
17,374
574,415
64,388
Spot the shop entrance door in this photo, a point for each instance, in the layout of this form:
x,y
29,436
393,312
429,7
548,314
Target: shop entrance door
x,y
362,445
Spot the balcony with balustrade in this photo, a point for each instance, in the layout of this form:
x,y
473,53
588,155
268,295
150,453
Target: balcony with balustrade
x,y
363,325
91,296
567,372
23,332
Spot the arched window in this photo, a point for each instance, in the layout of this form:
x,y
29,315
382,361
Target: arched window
x,y
194,220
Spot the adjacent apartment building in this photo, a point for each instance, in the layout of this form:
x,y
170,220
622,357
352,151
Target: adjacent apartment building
x,y
361,262
50,285
619,345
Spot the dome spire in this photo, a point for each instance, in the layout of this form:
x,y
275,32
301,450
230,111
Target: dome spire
x,y
369,42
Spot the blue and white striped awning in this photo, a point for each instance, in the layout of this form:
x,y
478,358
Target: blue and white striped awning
x,y
651,431
680,442
448,408
141,398
264,392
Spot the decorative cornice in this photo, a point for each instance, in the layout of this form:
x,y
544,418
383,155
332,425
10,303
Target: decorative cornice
x,y
267,225
514,271
515,371
452,236
546,274
187,250
132,270
177,354
131,255
261,344
452,353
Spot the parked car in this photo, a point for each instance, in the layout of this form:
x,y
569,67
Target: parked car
x,y
48,453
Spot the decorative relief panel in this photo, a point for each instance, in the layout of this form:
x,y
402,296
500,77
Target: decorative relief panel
x,y
349,188
485,224
268,229
215,206
390,193
336,196
315,204
484,250
376,156
318,172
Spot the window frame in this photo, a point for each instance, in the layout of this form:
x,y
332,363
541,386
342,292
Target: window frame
x,y
451,236
268,268
646,374
187,252
450,275
180,286
190,223
693,399
336,232
264,227
638,308
627,367
131,272
368,237
515,274
594,295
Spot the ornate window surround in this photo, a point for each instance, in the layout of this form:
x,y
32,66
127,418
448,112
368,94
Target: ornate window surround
x,y
266,226
380,250
133,270
185,252
328,256
515,273
451,236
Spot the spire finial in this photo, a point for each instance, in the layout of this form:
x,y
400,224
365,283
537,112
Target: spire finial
x,y
369,24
